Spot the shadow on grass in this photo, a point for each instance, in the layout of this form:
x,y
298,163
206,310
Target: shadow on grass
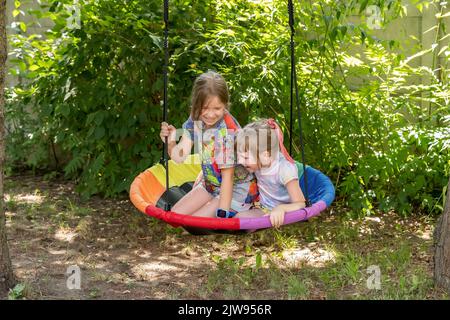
x,y
126,255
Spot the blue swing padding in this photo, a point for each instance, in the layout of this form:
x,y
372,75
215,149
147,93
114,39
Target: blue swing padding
x,y
320,186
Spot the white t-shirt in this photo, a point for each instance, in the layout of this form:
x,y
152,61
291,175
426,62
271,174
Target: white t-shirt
x,y
272,182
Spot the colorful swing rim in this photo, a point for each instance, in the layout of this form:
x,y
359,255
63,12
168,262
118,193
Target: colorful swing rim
x,y
149,186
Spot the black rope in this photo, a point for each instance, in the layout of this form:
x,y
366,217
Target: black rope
x,y
294,85
291,25
166,62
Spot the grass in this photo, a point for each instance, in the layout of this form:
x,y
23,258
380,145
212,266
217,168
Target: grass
x,y
345,272
345,277
19,292
284,240
329,256
78,211
297,288
94,293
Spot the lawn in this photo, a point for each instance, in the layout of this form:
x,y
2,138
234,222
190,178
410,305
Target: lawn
x,y
123,254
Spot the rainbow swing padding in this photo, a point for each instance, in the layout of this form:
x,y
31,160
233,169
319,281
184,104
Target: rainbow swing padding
x,y
149,195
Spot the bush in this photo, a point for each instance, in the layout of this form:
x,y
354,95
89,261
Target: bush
x,y
96,93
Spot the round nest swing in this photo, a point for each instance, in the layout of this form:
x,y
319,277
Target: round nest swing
x,y
152,196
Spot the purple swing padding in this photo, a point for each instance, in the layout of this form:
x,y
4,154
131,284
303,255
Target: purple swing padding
x,y
289,217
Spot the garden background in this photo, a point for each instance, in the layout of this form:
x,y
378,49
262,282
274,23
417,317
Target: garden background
x,y
83,114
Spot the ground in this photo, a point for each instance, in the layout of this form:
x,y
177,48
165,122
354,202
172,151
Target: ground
x,y
124,254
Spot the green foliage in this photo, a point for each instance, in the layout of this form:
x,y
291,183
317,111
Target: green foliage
x,y
18,292
28,143
95,92
297,289
233,270
346,272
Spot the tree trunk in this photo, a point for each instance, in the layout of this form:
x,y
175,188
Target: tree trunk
x,y
6,274
442,247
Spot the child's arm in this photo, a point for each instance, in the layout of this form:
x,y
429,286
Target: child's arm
x,y
177,152
297,202
226,188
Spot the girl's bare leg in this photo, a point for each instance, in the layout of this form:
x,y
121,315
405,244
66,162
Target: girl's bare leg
x,y
252,213
193,201
208,210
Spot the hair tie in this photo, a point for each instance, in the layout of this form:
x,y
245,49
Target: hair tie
x,y
272,124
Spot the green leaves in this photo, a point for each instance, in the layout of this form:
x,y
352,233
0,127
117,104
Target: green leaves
x,y
363,5
18,292
74,165
23,26
99,133
95,93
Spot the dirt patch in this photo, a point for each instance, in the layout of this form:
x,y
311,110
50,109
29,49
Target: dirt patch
x,y
123,254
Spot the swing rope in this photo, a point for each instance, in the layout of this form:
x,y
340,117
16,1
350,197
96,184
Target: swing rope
x,y
166,62
294,84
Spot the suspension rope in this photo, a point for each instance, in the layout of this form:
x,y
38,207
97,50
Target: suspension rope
x,y
294,85
166,62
